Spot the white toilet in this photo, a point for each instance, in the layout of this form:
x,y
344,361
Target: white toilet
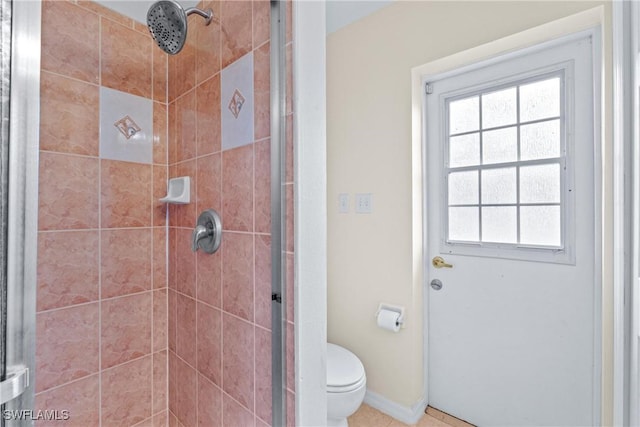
x,y
346,384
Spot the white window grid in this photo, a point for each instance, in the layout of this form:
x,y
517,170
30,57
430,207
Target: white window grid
x,y
561,161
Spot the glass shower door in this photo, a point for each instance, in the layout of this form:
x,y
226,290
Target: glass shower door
x,y
5,78
19,109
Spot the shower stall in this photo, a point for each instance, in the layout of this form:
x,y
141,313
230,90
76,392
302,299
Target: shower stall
x,y
109,317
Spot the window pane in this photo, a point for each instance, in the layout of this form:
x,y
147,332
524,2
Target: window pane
x,y
540,225
464,150
540,184
499,108
464,115
463,224
463,188
499,186
540,140
505,151
540,100
499,224
500,146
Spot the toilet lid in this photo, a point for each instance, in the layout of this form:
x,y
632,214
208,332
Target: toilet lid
x,y
343,367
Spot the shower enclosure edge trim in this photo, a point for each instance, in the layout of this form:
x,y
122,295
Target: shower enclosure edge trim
x,y
23,195
277,66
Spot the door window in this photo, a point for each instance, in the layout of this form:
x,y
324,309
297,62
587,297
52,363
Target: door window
x,y
505,165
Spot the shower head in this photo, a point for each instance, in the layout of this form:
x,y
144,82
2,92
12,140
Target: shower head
x,y
167,22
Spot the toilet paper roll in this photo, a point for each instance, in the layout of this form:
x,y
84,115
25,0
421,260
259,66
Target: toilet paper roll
x,y
388,320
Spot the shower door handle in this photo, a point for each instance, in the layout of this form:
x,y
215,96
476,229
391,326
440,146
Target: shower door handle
x,y
16,383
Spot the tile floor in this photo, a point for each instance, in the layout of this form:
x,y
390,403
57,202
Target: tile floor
x,y
367,416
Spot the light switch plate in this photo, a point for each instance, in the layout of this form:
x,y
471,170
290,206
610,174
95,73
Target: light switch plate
x,y
343,203
364,203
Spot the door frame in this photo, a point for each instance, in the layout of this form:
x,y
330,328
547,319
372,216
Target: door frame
x,y
310,207
590,21
626,286
22,239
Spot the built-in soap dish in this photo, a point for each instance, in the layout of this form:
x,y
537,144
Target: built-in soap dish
x,y
179,191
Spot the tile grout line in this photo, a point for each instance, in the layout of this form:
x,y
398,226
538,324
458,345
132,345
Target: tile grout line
x,y
197,399
196,258
100,394
222,212
222,259
96,301
74,79
153,86
73,381
167,235
151,256
253,211
253,330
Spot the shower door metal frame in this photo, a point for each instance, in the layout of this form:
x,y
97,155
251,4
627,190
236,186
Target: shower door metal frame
x,y
278,212
5,91
22,222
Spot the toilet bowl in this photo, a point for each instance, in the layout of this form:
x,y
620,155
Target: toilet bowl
x,y
346,384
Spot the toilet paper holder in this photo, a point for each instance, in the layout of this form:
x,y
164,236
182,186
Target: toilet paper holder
x,y
397,309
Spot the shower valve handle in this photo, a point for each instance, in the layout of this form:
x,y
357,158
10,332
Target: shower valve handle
x,y
208,233
199,233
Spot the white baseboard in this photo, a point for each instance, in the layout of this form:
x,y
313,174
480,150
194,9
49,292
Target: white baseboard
x,y
401,413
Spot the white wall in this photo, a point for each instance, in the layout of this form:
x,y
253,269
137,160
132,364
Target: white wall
x,y
341,13
376,257
137,9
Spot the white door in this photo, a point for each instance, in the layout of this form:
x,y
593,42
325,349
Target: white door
x,y
513,332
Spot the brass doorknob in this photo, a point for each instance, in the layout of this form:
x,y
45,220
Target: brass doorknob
x,y
438,262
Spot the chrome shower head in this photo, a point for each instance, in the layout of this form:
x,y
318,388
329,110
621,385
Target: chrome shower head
x,y
167,22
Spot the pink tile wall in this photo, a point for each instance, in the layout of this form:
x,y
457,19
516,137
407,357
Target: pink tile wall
x,y
121,338
102,322
220,304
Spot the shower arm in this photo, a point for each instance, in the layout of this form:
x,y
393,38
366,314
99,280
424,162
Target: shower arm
x,y
206,14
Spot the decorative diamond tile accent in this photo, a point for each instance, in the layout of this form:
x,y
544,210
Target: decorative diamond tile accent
x,y
127,126
235,105
121,137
